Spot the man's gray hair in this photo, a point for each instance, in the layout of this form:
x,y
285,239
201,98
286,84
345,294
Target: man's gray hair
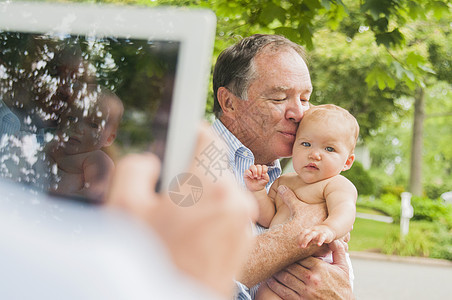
x,y
235,68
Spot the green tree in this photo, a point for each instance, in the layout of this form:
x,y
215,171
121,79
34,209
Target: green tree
x,y
366,54
339,69
403,62
390,144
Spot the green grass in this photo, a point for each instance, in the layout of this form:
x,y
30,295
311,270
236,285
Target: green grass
x,y
369,211
368,235
430,233
423,239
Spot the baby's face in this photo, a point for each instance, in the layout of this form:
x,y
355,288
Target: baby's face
x,y
320,152
85,131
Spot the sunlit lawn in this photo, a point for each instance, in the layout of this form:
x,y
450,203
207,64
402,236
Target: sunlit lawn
x,y
369,235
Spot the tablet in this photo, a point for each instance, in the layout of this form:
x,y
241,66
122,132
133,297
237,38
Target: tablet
x,y
83,85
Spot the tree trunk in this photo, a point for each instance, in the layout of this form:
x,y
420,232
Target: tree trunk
x,y
417,144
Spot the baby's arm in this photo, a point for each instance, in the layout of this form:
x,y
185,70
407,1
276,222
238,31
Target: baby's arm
x,y
97,169
340,195
256,178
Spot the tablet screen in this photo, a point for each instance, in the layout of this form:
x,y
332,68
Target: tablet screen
x,y
72,105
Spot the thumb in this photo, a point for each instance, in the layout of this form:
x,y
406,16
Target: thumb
x,y
288,197
133,184
339,254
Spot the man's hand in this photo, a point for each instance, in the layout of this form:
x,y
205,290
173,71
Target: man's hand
x,y
303,215
313,278
278,247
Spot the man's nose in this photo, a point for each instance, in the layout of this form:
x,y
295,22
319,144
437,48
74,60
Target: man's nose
x,y
294,110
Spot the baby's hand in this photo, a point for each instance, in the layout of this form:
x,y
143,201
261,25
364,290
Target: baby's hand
x,y
317,234
256,177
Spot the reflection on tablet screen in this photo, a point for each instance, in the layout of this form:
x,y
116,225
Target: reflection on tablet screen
x,y
71,105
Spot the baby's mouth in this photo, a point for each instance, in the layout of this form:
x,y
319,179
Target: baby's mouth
x,y
74,140
312,166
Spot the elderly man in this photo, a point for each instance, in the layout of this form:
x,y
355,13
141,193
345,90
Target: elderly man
x,y
262,87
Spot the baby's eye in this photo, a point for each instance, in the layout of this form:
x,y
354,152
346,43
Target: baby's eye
x,y
72,119
329,149
94,125
306,144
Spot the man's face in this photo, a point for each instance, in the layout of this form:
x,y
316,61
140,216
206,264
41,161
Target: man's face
x,y
267,121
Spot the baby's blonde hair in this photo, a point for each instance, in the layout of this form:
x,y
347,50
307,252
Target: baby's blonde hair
x,y
115,105
330,115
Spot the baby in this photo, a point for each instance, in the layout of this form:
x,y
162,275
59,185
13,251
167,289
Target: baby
x,y
323,147
82,167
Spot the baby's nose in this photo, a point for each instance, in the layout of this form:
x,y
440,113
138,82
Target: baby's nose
x,y
79,127
315,155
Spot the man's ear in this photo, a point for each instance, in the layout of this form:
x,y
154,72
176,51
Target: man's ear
x,y
226,99
349,162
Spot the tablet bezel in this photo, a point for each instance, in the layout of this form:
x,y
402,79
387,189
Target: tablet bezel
x,y
194,29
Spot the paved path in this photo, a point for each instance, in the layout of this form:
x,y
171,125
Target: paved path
x,y
382,277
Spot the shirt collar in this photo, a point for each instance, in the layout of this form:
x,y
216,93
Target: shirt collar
x,y
235,147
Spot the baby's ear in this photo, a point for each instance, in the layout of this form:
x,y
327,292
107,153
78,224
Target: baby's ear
x,y
111,138
349,162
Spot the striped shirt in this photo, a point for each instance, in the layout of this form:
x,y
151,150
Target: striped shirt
x,y
240,158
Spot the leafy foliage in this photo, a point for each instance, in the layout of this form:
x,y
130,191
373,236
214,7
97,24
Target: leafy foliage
x,y
418,242
390,145
425,209
431,210
424,239
345,75
434,191
430,233
388,204
360,178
